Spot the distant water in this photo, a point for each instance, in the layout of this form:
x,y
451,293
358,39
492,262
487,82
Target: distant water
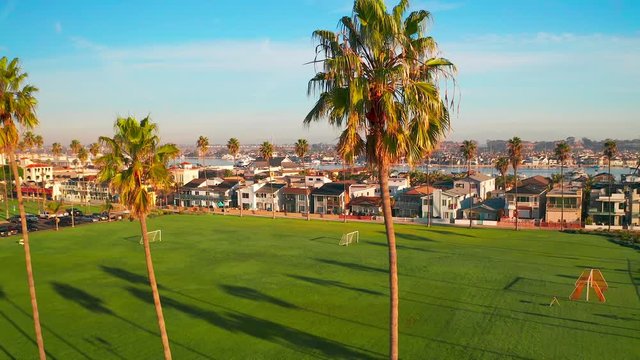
x,y
544,171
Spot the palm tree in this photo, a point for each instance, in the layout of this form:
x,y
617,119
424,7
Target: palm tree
x,y
29,140
38,142
266,151
562,152
302,148
514,147
202,144
17,108
610,150
94,149
469,149
54,208
502,165
56,150
75,146
83,156
380,78
233,146
134,161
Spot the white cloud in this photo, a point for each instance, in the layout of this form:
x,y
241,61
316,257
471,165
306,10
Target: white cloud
x,y
57,26
249,55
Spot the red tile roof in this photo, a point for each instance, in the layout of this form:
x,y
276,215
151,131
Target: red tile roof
x,y
30,166
420,190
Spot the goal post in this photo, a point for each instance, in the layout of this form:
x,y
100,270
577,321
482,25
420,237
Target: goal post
x,y
350,238
155,235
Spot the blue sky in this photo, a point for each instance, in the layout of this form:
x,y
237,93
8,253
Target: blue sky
x,y
536,69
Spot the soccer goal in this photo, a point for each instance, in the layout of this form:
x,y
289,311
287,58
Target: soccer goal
x,y
350,238
154,236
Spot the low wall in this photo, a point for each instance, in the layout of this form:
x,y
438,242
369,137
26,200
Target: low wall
x,y
476,222
602,227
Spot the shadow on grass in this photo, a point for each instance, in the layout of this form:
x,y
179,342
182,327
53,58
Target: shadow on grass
x,y
398,246
283,335
533,317
412,237
334,283
95,304
326,240
81,297
127,275
448,232
350,265
616,317
3,296
252,294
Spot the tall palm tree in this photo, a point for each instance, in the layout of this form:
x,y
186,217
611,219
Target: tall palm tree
x,y
379,78
83,157
75,146
266,151
94,149
469,149
202,144
233,146
133,163
502,165
54,208
514,148
562,152
609,151
429,189
29,140
302,148
38,142
17,109
56,150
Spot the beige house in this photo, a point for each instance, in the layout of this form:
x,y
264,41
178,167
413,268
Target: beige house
x,y
572,204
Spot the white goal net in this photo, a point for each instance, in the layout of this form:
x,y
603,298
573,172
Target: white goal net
x,y
350,238
154,236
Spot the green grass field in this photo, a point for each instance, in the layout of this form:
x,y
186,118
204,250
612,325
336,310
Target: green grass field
x,y
257,288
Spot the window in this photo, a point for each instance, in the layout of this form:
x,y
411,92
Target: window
x,y
301,197
320,210
245,195
444,202
523,199
302,208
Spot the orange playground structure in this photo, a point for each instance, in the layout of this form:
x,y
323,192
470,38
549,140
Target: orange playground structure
x,y
590,278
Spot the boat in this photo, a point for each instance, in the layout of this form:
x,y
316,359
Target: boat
x,y
243,161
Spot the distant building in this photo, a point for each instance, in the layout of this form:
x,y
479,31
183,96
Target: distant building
x,y
270,196
296,198
330,198
366,205
183,175
572,205
491,209
531,202
605,208
480,184
38,172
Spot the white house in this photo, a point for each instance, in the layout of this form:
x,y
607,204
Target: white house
x,y
184,174
38,172
480,185
270,196
357,190
247,195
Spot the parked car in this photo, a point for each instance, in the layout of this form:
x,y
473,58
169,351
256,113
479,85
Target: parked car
x,y
75,212
103,216
64,221
30,228
30,219
6,230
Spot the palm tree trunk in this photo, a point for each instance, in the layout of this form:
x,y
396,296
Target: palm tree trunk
x,y
344,177
154,288
430,201
515,175
393,259
609,227
27,256
470,199
304,176
6,193
561,196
